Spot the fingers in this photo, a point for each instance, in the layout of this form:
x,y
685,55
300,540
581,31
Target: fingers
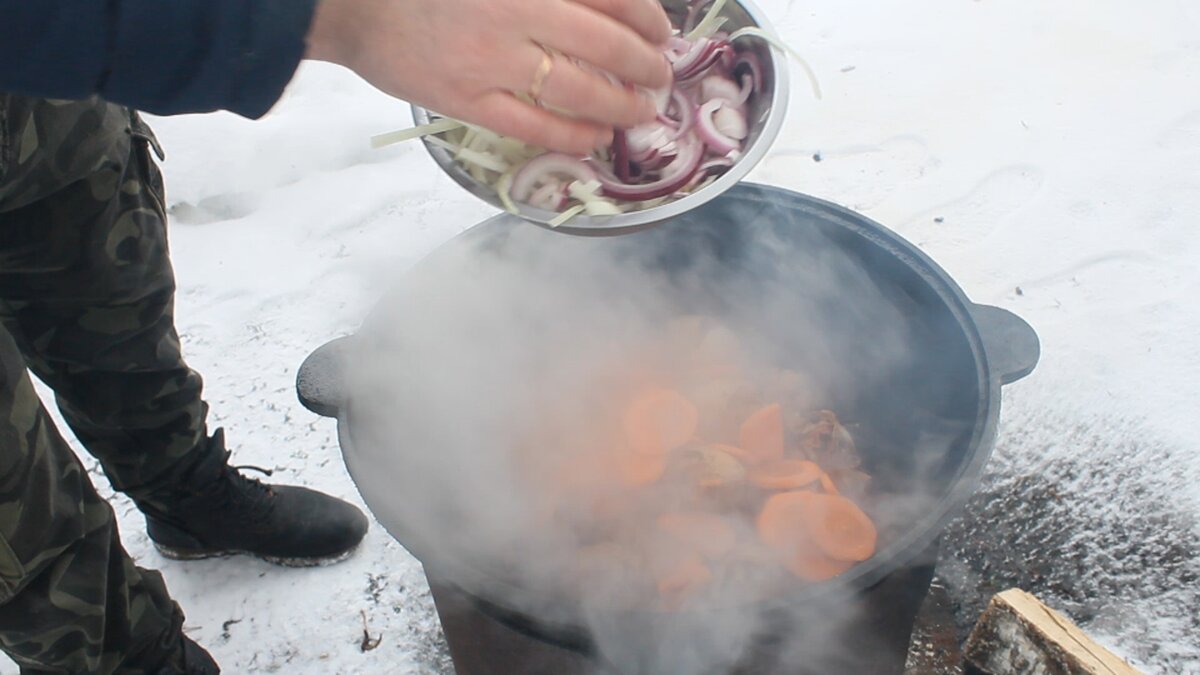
x,y
592,96
602,41
644,16
505,114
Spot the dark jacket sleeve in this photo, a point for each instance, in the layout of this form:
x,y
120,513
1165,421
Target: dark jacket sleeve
x,y
160,56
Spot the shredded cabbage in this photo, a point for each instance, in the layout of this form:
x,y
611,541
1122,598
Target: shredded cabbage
x,y
709,24
440,126
503,189
567,215
594,204
485,160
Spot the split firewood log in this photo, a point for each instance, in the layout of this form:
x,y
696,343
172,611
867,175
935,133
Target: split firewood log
x,y
1018,635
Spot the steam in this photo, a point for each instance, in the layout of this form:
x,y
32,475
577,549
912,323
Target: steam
x,y
494,366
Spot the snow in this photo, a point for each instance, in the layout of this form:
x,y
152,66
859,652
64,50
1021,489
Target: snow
x,y
1048,158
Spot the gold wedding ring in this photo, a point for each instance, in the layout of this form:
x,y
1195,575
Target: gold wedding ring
x,y
539,78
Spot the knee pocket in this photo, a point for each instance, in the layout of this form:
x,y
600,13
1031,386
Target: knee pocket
x,y
12,572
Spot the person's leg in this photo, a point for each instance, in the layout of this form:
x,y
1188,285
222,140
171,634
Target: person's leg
x,y
87,291
71,600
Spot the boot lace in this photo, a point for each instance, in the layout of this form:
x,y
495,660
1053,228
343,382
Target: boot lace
x,y
255,498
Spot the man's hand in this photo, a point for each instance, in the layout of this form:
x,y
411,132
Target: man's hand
x,y
467,58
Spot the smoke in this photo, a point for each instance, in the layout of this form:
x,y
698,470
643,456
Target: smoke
x,y
484,384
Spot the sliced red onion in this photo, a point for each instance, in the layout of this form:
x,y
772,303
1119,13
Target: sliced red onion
x,y
687,114
728,60
697,179
620,155
659,159
748,61
646,138
707,130
551,195
731,121
709,169
662,98
716,166
703,55
716,56
719,86
684,62
544,167
674,176
654,158
667,121
747,89
677,47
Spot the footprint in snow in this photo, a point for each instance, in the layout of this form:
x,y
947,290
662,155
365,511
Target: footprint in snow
x,y
214,209
980,211
861,176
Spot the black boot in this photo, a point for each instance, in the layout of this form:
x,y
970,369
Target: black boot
x,y
217,511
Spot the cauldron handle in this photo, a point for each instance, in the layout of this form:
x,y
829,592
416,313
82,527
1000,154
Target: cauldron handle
x,y
1011,345
320,381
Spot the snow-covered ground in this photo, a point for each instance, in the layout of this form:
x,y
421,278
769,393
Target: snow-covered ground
x,y
1046,156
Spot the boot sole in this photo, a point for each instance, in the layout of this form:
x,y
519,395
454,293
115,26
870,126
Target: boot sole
x,y
186,555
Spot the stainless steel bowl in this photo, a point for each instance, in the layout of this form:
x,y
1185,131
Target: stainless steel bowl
x,y
765,116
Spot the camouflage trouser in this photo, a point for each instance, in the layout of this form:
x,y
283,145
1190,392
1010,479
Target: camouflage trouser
x,y
86,300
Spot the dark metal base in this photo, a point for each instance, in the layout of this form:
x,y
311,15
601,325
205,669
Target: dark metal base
x,y
480,645
935,647
874,636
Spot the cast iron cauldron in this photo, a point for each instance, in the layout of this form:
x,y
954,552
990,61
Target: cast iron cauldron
x,y
927,424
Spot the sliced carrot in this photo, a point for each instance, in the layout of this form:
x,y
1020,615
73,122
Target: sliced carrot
x,y
837,526
762,434
781,528
816,567
804,526
678,584
709,534
786,474
780,525
828,485
659,420
638,469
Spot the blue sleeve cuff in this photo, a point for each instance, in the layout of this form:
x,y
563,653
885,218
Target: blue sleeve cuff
x,y
178,56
